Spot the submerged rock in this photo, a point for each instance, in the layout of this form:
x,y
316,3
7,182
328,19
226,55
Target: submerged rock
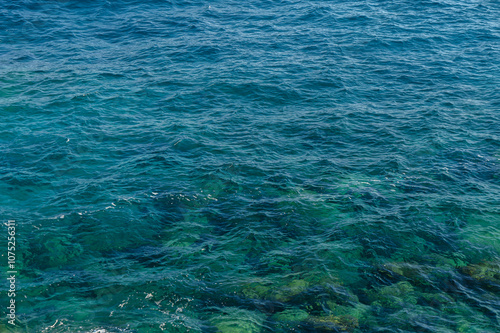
x,y
358,311
488,271
291,316
407,270
414,272
256,290
334,323
290,320
234,320
395,296
275,292
295,287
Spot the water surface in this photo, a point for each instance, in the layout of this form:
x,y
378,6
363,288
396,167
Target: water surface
x,y
256,166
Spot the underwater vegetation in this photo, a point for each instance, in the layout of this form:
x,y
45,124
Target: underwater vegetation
x,y
355,263
338,271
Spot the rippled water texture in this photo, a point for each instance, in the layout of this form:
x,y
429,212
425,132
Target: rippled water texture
x,y
252,166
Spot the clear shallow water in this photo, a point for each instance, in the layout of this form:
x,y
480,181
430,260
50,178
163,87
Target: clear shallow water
x,y
261,166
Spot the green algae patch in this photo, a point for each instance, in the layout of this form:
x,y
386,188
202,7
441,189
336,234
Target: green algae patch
x,y
395,296
334,323
320,278
488,271
450,260
295,287
235,320
281,292
256,290
358,310
290,320
291,316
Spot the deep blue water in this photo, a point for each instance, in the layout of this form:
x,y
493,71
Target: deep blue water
x,y
251,166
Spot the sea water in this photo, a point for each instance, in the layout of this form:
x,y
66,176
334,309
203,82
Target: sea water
x,y
251,166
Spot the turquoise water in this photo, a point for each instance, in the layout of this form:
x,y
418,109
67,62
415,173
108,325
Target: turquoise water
x,y
258,166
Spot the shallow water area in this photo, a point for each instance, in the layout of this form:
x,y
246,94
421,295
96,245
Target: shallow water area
x,y
290,166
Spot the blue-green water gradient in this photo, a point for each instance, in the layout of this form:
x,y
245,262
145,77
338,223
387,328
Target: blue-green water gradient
x,y
251,166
